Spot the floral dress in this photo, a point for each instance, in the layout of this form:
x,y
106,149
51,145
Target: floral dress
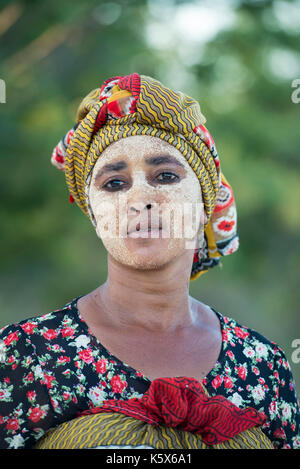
x,y
52,368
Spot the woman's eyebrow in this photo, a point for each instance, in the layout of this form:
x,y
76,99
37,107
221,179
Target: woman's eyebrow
x,y
152,160
162,159
109,167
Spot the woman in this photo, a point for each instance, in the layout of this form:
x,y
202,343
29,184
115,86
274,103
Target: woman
x,y
144,168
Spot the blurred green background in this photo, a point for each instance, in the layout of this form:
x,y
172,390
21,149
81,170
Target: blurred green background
x,y
239,58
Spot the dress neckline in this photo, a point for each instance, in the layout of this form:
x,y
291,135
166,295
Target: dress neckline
x,y
138,374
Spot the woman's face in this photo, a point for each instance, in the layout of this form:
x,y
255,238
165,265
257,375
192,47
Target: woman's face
x,y
146,199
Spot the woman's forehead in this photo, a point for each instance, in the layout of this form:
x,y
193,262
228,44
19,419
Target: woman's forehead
x,y
139,149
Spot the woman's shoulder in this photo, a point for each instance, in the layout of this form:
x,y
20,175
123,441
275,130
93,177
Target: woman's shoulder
x,y
253,371
251,362
253,343
48,325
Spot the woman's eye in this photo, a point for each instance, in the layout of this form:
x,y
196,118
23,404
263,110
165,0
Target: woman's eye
x,y
113,184
167,177
116,184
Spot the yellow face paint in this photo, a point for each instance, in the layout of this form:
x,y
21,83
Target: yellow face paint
x,y
121,199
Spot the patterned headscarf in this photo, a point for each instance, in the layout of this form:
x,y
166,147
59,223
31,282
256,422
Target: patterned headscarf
x,y
131,105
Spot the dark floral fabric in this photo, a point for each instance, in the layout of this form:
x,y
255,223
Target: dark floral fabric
x,y
52,368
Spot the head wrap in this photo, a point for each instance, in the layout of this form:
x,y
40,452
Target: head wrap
x,y
131,105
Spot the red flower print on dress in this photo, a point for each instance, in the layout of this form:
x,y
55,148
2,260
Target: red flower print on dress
x,y
12,424
241,333
28,327
62,360
29,378
217,381
13,337
66,396
101,366
293,426
50,334
31,395
36,414
68,332
280,433
54,403
48,380
242,372
273,407
86,355
228,382
117,384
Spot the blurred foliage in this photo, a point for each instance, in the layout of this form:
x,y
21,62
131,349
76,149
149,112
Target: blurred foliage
x,y
53,53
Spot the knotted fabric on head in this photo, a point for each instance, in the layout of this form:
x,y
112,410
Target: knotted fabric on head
x,y
131,105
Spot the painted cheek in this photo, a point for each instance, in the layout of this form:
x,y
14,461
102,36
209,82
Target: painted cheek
x,y
184,203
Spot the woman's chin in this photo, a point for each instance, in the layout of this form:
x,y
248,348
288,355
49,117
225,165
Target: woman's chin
x,y
144,251
147,245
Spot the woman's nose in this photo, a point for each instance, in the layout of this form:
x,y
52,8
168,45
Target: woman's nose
x,y
139,206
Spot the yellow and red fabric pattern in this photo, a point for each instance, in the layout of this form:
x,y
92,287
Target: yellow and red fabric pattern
x,y
174,413
139,105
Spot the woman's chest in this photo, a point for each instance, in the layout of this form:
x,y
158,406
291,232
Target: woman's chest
x,y
156,356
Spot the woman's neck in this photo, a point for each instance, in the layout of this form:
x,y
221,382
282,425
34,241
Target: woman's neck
x,y
157,300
